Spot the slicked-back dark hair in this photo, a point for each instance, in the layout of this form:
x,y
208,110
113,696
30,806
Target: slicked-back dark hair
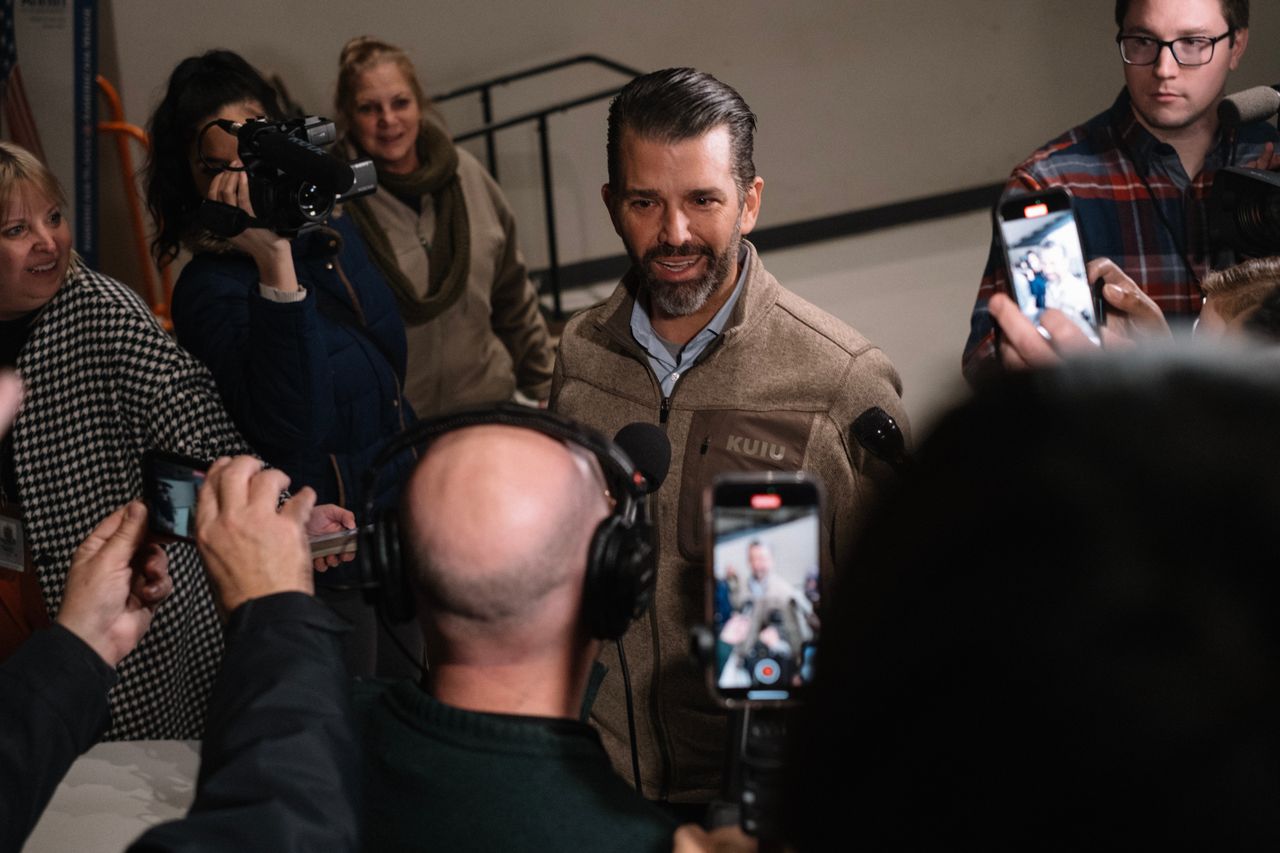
x,y
677,104
1235,11
199,87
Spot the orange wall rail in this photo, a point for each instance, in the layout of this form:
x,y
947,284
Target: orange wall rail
x,y
159,286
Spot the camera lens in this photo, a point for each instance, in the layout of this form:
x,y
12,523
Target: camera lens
x,y
313,202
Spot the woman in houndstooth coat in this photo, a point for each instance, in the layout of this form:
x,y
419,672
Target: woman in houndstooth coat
x,y
104,383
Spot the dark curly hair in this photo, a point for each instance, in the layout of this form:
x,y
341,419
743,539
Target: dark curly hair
x,y
198,88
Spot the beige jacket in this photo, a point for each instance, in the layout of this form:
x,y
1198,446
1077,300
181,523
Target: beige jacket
x,y
493,339
778,390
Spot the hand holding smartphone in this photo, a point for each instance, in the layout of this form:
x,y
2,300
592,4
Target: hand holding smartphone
x,y
1045,258
171,486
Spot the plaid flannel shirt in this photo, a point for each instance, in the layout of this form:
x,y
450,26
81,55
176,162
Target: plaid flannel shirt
x,y
1099,161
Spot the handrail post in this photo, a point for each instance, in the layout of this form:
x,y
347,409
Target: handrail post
x,y
553,255
486,105
490,129
159,289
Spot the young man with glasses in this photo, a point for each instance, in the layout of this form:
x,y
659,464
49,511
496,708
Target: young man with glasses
x,y
1141,171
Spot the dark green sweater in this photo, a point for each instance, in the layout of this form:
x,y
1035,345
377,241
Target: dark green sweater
x,y
438,777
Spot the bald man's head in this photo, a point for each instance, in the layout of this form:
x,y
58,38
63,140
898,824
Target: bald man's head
x,y
497,521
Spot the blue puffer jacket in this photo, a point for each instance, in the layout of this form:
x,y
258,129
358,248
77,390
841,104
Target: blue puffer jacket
x,y
314,385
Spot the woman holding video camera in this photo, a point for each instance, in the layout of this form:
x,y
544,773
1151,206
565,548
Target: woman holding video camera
x,y
104,383
444,237
302,335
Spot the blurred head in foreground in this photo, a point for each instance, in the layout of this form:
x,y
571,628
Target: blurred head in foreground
x,y
1062,631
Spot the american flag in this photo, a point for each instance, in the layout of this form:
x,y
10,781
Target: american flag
x,y
19,123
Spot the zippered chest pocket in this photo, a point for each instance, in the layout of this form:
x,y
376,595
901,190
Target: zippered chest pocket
x,y
733,440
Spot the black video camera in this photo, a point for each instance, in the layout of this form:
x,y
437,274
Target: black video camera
x,y
1244,214
293,183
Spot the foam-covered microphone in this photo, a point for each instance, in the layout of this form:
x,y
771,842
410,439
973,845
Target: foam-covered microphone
x,y
879,434
1257,104
649,450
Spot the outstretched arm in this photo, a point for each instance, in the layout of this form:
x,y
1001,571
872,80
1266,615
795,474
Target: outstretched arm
x,y
279,764
53,690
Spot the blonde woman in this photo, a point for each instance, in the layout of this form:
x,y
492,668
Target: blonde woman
x,y
103,384
443,235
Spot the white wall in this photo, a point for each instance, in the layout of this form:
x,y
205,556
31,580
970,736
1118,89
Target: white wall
x,y
860,103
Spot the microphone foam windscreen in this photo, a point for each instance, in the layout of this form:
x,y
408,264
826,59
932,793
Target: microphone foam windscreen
x,y
649,449
1257,104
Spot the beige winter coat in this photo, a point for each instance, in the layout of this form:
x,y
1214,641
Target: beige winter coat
x,y
493,339
779,390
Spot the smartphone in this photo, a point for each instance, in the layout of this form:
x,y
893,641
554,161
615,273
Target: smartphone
x,y
763,585
335,544
1045,258
170,487
171,490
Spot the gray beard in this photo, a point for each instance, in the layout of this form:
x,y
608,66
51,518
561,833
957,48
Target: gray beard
x,y
681,300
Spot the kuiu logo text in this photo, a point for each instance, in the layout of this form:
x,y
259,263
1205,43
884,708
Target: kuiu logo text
x,y
756,447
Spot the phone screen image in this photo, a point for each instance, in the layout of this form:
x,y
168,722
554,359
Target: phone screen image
x,y
172,485
1045,258
765,594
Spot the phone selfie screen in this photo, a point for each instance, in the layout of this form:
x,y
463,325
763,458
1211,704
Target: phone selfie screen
x,y
765,592
1045,259
172,491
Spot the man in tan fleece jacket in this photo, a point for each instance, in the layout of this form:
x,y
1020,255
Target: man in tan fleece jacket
x,y
742,374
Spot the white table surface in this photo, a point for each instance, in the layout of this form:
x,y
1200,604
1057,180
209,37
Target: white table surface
x,y
114,792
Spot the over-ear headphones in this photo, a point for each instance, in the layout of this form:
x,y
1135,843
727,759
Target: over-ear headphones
x,y
620,569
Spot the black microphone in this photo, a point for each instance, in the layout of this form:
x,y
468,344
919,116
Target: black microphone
x,y
649,450
1257,104
879,434
291,155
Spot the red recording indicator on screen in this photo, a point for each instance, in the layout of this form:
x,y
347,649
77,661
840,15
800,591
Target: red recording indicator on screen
x,y
1031,211
766,501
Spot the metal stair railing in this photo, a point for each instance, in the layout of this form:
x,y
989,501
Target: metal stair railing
x,y
490,127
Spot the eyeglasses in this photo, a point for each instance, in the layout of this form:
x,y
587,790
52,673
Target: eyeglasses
x,y
1188,50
